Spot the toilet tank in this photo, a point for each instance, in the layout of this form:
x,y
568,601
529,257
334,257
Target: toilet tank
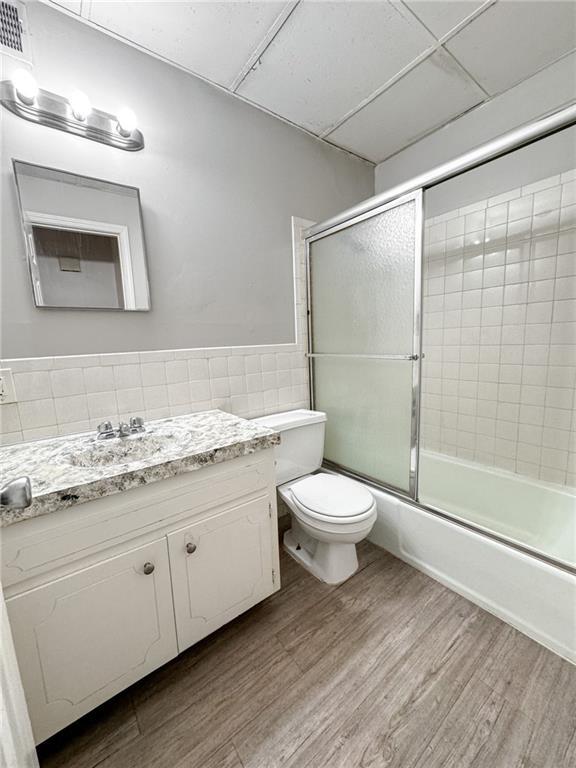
x,y
302,442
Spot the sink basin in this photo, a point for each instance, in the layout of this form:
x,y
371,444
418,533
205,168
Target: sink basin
x,y
122,450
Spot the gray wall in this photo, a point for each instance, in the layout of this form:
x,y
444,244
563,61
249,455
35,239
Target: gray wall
x,y
219,181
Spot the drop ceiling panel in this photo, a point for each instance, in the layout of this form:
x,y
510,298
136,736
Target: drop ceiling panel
x,y
321,61
513,40
71,5
329,56
440,16
211,39
432,93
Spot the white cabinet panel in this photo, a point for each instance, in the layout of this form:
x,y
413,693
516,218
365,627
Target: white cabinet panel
x,y
85,637
220,568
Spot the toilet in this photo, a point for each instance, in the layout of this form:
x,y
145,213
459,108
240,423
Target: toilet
x,y
330,513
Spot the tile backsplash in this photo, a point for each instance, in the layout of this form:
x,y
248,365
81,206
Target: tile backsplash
x,y
63,395
499,331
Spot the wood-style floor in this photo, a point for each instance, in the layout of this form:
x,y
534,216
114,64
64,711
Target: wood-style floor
x,y
388,669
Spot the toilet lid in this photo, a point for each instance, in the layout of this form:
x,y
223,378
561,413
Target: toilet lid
x,y
332,495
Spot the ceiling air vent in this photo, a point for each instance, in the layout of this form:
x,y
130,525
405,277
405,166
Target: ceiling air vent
x,y
14,30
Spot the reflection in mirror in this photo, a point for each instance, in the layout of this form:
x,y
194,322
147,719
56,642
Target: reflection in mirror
x,y
84,240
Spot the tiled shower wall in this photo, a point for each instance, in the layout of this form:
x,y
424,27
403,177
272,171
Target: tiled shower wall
x,y
499,331
62,395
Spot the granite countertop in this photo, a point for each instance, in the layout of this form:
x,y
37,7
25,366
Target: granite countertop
x,y
70,470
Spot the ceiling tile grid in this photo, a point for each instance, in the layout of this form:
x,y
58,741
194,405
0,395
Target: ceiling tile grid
x,y
329,56
369,76
513,40
435,91
211,39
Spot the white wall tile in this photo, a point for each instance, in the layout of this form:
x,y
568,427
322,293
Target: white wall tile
x,y
176,371
198,368
98,379
568,217
10,418
565,288
218,367
35,385
40,433
500,345
37,413
541,290
74,427
548,199
155,396
71,408
102,405
543,269
68,381
127,376
564,311
520,208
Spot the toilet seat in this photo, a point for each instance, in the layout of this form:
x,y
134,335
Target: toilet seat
x,y
332,499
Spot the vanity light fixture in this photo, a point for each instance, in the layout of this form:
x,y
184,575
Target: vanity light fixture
x,y
80,105
22,96
25,86
127,121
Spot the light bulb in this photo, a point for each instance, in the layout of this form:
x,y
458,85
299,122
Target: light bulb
x,y
127,121
25,85
80,105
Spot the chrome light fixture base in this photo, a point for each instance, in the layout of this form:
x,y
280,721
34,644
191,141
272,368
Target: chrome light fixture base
x,y
54,111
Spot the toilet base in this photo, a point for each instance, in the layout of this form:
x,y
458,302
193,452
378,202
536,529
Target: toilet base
x,y
332,563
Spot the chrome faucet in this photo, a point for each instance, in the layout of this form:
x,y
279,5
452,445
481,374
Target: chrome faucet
x,y
106,431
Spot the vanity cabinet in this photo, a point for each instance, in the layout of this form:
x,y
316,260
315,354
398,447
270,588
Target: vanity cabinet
x,y
83,638
101,594
230,555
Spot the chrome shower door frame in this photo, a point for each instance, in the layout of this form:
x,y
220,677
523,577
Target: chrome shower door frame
x,y
414,358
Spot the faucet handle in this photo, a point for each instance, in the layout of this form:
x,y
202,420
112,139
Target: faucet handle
x,y
105,428
137,424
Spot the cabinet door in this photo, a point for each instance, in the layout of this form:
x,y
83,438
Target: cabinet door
x,y
220,568
83,638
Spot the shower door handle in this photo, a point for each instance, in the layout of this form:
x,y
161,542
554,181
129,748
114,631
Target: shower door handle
x,y
361,356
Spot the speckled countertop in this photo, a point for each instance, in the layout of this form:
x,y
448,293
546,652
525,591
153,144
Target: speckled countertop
x,y
78,468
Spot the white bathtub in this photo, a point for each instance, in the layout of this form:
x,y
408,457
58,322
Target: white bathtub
x,y
537,515
534,596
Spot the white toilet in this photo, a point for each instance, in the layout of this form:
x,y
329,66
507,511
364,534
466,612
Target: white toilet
x,y
330,513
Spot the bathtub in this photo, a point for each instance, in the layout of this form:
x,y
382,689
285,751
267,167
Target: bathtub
x,y
536,515
534,596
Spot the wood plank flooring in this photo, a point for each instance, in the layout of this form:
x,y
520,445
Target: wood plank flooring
x,y
389,669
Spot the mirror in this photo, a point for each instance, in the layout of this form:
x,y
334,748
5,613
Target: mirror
x,y
84,240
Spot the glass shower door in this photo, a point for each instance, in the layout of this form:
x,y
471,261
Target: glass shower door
x,y
364,283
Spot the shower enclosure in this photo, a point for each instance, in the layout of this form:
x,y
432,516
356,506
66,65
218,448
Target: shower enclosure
x,y
364,279
442,339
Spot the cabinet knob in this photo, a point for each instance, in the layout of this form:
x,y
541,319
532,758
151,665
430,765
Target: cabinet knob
x,y
148,568
190,548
